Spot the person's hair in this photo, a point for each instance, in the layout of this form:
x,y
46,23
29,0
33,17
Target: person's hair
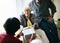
x,y
11,25
27,8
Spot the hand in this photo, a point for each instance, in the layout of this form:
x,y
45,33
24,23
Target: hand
x,y
35,26
50,19
19,33
18,36
33,36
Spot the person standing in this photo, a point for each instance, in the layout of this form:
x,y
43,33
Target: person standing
x,y
45,19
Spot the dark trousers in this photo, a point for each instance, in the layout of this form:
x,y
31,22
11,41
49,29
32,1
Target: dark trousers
x,y
50,30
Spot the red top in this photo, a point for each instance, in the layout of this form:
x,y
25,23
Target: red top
x,y
4,38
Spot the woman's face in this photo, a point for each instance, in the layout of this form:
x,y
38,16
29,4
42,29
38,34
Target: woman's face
x,y
27,12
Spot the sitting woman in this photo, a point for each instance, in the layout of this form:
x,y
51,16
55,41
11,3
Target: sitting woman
x,y
28,19
11,26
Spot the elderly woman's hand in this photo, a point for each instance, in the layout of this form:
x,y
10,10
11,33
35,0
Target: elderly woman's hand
x,y
35,26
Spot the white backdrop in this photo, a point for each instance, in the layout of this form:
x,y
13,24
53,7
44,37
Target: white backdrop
x,y
21,4
7,9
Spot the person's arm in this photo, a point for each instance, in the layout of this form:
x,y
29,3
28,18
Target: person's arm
x,y
43,36
18,33
22,20
33,36
52,7
35,25
31,5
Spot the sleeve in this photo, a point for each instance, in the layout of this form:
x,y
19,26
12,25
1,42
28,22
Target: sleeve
x,y
21,20
30,40
31,5
36,21
52,6
44,37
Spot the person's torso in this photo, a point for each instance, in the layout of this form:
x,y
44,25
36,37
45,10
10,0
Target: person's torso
x,y
41,9
24,23
10,39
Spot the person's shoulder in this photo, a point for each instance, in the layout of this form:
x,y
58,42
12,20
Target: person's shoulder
x,y
22,15
40,30
31,2
32,15
2,35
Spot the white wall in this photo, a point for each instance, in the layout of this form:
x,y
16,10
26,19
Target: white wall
x,y
21,4
7,9
57,3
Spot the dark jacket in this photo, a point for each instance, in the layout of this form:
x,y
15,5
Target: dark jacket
x,y
23,20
